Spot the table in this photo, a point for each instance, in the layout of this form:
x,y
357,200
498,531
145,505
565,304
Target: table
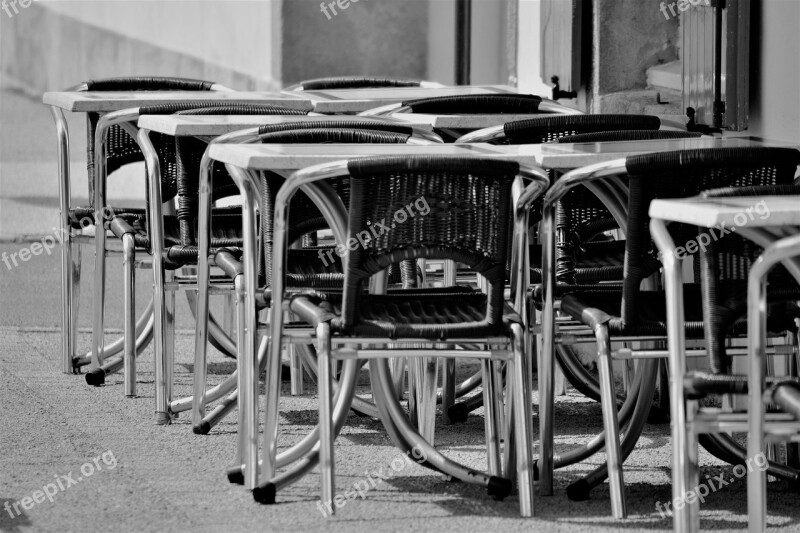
x,y
358,100
297,156
107,101
241,158
576,155
215,125
733,212
104,102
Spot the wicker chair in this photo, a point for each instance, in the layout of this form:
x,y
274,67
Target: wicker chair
x,y
120,150
307,267
133,227
632,312
586,256
723,272
469,221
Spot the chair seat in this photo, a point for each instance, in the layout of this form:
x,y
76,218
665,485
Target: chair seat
x,y
594,261
605,304
431,314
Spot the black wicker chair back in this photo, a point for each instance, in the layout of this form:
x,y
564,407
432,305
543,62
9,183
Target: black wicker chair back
x,y
726,260
683,174
476,104
355,82
121,148
432,207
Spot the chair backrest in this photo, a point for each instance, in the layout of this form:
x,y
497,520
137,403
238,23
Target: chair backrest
x,y
305,216
682,174
184,166
121,148
475,104
549,128
729,257
628,135
580,215
355,82
452,208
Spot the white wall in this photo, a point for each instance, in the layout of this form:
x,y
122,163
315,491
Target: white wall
x,y
775,97
236,34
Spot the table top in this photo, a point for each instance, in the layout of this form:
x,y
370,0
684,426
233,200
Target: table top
x,y
569,156
358,100
761,211
214,125
106,101
464,121
297,156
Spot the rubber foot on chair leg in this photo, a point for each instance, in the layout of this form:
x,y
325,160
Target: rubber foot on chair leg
x,y
163,419
499,487
458,413
265,493
96,377
202,428
235,475
579,491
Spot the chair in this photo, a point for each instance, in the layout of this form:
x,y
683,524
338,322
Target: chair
x,y
120,150
133,228
586,255
726,264
470,221
357,82
634,313
306,268
474,105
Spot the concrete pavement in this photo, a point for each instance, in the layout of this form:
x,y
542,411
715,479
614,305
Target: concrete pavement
x,y
53,425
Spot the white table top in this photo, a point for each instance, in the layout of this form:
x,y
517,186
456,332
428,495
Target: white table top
x,y
761,211
214,125
297,156
106,101
568,156
358,100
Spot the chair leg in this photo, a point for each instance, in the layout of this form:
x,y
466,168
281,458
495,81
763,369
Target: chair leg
x,y
73,299
608,402
490,418
692,466
326,461
521,391
427,407
129,309
448,388
169,337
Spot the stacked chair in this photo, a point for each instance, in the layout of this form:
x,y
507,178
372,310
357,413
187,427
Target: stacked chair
x,y
633,313
306,268
112,148
470,222
723,269
169,240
